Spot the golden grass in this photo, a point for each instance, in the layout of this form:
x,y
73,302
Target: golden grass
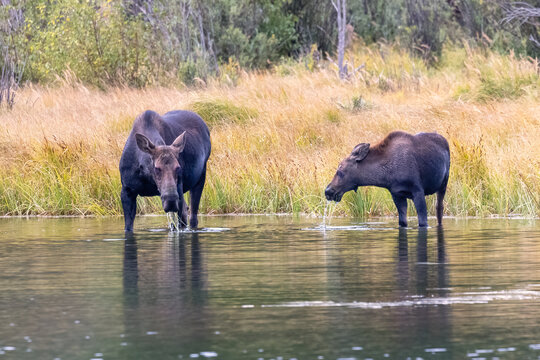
x,y
277,140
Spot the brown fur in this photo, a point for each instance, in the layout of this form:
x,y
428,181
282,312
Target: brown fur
x,y
409,166
381,146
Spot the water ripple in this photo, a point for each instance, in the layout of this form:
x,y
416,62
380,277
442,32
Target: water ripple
x,y
464,298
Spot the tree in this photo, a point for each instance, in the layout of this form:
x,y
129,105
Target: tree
x,y
341,9
12,63
524,14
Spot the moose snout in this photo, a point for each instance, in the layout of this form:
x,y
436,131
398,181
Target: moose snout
x,y
171,203
328,192
331,194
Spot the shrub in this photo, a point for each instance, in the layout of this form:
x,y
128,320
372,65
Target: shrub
x,y
215,112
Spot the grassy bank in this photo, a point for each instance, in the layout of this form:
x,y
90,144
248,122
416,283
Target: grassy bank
x,y
278,137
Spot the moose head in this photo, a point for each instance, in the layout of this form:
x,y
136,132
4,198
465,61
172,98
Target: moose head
x,y
166,170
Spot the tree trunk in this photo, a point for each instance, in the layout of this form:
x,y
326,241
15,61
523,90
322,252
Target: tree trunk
x,y
341,9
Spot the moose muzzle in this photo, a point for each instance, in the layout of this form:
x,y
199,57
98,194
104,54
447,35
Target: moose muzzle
x,y
170,202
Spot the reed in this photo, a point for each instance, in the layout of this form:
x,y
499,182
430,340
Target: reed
x,y
278,136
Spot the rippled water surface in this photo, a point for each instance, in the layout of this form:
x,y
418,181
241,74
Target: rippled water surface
x,y
269,288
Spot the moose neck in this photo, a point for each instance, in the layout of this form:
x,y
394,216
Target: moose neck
x,y
371,172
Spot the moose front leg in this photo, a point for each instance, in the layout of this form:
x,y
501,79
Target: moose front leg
x,y
182,213
419,200
195,199
129,205
401,205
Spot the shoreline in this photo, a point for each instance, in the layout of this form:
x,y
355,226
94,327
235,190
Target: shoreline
x,y
304,215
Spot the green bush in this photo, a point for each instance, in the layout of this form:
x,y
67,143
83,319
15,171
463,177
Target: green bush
x,y
215,112
137,43
96,43
506,87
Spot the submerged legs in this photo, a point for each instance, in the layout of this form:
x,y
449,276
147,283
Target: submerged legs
x,y
129,205
195,198
419,200
182,213
440,204
401,205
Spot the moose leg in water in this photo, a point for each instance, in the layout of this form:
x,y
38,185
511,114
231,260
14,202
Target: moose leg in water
x,y
440,198
401,205
419,199
195,198
129,205
182,215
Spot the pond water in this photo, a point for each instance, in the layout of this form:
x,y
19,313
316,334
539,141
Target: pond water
x,y
266,287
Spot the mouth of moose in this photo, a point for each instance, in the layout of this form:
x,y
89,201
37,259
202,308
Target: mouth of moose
x,y
332,195
170,203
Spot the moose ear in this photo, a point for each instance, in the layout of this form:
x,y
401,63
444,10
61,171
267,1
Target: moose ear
x,y
179,142
360,151
145,144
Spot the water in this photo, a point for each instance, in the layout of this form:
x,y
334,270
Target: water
x,y
173,221
324,215
269,288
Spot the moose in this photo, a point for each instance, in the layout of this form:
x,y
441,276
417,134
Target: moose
x,y
166,156
409,166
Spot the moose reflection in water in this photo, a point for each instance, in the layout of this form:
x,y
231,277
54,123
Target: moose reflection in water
x,y
422,275
426,268
175,271
151,280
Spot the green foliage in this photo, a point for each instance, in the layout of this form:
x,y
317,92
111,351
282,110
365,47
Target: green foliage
x,y
315,24
96,43
279,25
356,104
368,202
257,43
215,112
58,181
481,22
507,87
495,77
258,51
378,19
139,43
187,72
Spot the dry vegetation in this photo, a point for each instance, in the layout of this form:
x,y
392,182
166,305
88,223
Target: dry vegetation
x,y
278,137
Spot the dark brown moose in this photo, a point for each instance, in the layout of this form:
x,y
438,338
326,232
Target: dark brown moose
x,y
166,156
409,166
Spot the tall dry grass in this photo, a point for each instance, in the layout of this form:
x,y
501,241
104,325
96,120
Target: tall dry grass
x,y
277,137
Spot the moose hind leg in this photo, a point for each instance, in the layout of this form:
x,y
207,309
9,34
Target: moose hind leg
x,y
419,200
195,198
440,203
129,205
401,205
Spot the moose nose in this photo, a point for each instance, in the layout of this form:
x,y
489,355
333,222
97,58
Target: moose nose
x,y
170,203
329,193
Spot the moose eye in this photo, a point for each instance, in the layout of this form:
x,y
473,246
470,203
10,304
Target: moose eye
x,y
340,174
